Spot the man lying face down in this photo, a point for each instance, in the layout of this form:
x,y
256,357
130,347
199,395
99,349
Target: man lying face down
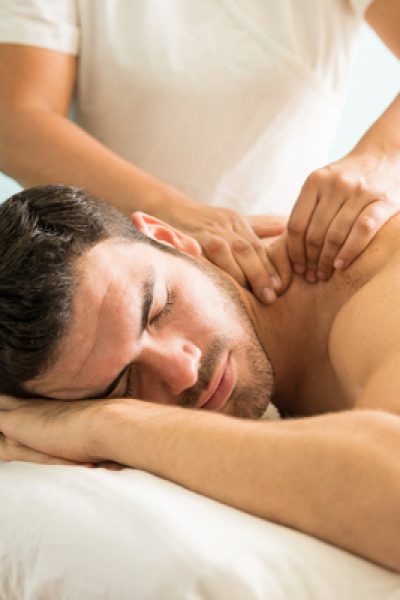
x,y
121,330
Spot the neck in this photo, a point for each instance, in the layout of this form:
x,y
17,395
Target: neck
x,y
286,330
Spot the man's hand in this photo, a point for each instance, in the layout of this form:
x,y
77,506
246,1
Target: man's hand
x,y
14,451
47,431
340,209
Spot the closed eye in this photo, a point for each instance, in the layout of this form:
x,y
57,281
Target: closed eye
x,y
132,374
166,309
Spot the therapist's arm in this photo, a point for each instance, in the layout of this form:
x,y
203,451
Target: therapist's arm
x,y
39,145
336,477
343,205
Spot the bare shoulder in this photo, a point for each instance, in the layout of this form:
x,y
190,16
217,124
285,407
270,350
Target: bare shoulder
x,y
365,333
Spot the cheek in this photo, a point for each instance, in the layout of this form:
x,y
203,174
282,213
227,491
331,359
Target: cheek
x,y
202,326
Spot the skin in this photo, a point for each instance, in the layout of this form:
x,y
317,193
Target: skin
x,y
334,348
174,359
338,211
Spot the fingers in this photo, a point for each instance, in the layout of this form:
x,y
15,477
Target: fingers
x,y
13,451
9,402
298,224
245,261
364,228
265,226
339,210
278,255
218,251
228,240
260,272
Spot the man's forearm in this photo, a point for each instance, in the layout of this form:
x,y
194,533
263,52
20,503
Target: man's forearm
x,y
335,477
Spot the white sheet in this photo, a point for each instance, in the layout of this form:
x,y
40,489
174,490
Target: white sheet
x,y
71,533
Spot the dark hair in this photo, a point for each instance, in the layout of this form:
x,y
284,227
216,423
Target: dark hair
x,y
43,230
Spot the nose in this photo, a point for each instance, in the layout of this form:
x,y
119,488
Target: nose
x,y
169,368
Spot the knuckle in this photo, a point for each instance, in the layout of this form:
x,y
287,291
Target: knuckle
x,y
295,228
215,245
367,223
343,182
361,188
382,197
229,216
314,239
335,236
241,245
317,176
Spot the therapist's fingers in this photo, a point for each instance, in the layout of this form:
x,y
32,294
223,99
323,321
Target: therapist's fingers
x,y
278,255
362,224
262,277
297,226
265,226
245,262
321,222
249,251
218,251
227,240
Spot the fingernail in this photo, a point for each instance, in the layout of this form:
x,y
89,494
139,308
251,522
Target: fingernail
x,y
299,269
275,282
322,276
269,295
338,264
311,277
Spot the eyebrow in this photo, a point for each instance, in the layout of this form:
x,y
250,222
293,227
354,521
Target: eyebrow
x,y
147,295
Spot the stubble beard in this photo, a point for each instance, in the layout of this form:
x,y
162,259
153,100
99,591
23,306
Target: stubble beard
x,y
254,388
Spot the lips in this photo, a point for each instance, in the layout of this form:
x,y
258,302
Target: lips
x,y
220,388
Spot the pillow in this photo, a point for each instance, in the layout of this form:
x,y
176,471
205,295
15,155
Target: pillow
x,y
71,533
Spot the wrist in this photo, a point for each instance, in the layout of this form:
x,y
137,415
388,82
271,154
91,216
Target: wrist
x,y
120,430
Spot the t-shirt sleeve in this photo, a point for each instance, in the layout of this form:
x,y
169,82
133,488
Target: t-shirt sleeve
x,y
359,6
48,24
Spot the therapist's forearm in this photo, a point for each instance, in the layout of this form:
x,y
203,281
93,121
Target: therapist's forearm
x,y
383,137
38,147
335,477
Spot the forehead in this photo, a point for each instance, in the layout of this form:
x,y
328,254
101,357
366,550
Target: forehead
x,y
105,308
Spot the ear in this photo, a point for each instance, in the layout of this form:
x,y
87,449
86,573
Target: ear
x,y
166,234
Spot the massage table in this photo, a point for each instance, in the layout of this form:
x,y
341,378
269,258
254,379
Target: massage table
x,y
74,533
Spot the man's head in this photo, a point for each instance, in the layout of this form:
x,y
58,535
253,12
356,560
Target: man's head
x,y
86,297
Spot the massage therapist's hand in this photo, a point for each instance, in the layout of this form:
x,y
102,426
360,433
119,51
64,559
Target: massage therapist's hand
x,y
50,432
228,240
339,210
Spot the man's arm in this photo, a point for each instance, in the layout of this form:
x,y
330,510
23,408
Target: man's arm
x,y
336,477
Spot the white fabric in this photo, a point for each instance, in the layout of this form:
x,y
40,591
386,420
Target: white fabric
x,y
234,102
70,533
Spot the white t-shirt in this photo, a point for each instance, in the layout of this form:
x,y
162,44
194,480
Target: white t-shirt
x,y
234,102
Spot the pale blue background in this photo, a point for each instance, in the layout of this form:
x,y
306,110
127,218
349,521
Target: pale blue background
x,y
375,82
